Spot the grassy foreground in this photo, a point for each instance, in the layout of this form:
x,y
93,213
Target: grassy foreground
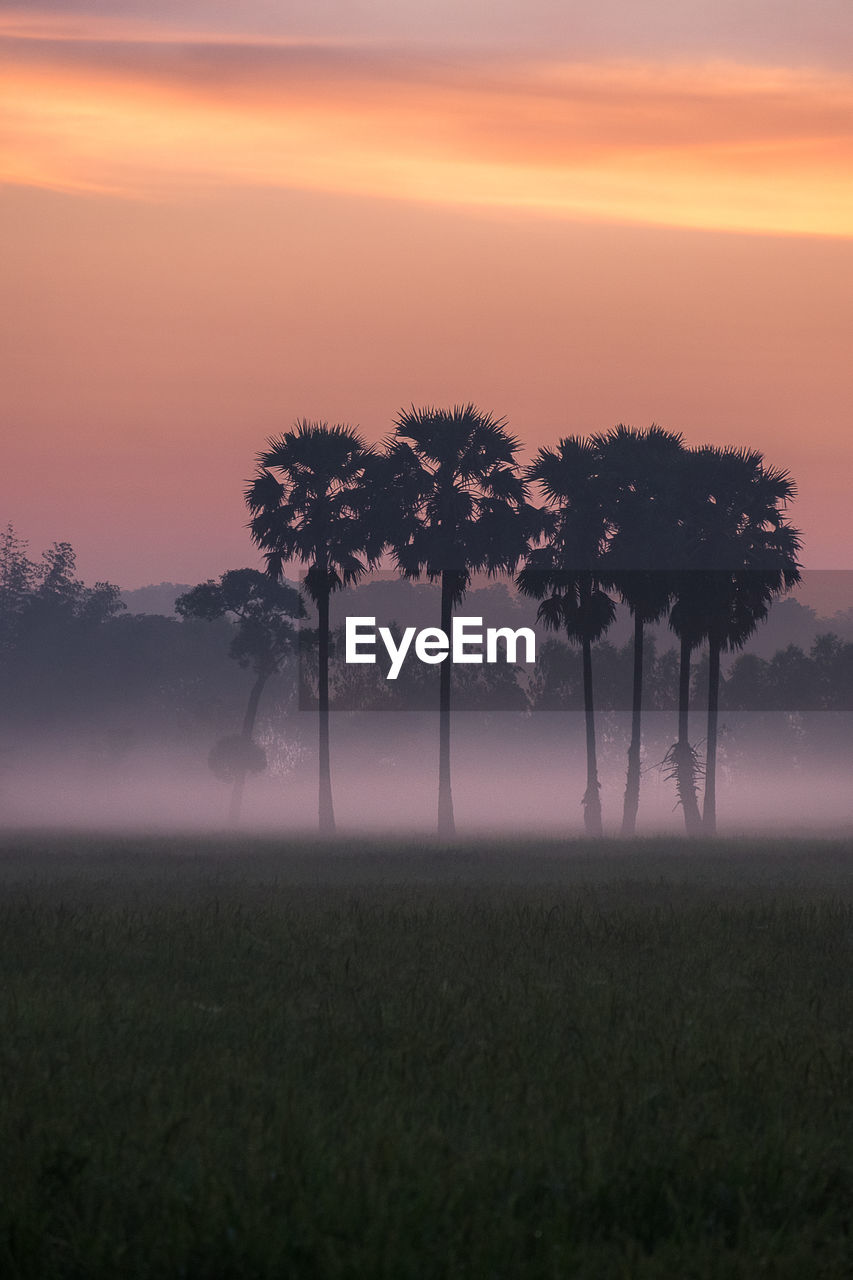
x,y
238,1060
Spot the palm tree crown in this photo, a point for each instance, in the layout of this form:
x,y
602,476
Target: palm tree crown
x,y
564,571
312,510
458,497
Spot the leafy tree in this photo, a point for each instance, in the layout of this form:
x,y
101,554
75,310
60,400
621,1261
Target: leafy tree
x,y
36,594
748,686
832,659
564,572
308,504
449,501
57,622
17,578
641,472
264,609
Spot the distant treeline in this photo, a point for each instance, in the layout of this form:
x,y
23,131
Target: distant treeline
x,y
73,662
78,669
73,655
793,680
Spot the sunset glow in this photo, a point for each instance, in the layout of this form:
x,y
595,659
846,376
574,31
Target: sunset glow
x,y
219,219
712,147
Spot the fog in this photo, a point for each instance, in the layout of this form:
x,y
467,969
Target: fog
x,y
109,718
514,774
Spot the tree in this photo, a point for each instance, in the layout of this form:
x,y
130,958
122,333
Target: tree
x,y
450,502
687,619
56,623
564,572
682,758
308,504
640,470
744,554
17,579
264,609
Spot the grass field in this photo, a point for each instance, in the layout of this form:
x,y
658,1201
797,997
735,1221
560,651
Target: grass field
x,y
238,1059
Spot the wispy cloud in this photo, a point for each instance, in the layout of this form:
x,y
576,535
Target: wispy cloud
x,y
74,25
717,146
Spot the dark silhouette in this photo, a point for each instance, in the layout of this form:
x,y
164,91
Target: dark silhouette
x,y
687,621
264,610
746,554
450,502
18,577
699,533
737,554
313,510
641,472
564,572
682,758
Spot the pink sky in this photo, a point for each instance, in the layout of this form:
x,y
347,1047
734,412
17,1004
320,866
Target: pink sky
x,y
213,231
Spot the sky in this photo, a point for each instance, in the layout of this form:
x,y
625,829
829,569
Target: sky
x,y
220,218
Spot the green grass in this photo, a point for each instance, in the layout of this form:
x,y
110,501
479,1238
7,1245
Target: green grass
x,y
232,1059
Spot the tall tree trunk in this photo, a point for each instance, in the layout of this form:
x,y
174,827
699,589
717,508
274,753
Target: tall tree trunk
x,y
685,767
632,782
446,825
246,734
709,810
326,810
592,795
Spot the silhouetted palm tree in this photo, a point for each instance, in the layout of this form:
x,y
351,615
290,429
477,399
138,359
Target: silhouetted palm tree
x,y
745,555
449,502
312,510
641,474
264,637
736,553
564,572
685,619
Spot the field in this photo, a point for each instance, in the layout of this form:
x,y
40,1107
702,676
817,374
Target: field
x,y
245,1059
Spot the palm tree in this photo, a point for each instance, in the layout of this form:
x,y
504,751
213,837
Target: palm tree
x,y
745,557
737,553
685,619
449,501
564,572
641,473
308,504
263,638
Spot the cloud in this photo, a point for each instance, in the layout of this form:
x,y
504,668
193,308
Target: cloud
x,y
718,146
752,31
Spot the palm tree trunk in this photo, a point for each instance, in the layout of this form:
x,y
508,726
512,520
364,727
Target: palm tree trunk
x,y
246,734
685,767
446,825
326,810
592,796
632,782
709,811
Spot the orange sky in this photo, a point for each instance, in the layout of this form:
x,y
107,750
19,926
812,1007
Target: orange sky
x,y
210,233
